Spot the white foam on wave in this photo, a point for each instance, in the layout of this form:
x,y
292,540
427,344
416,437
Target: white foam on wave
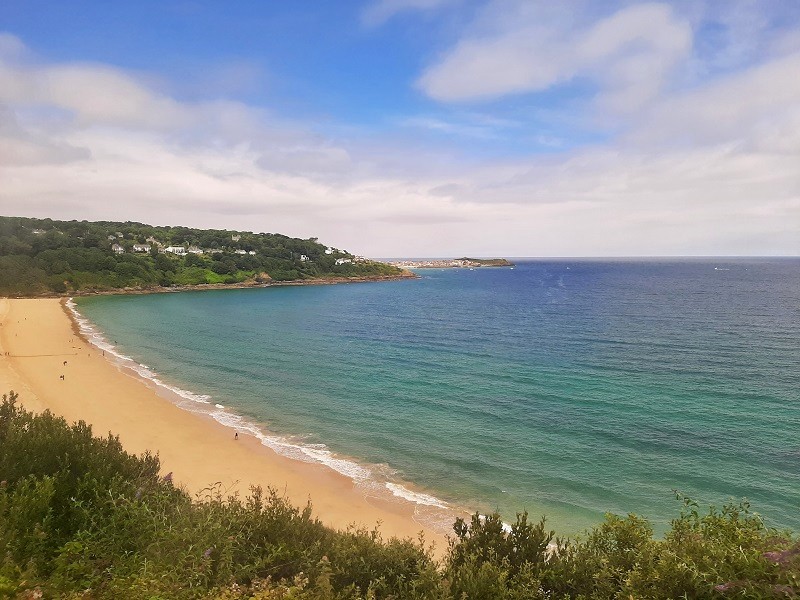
x,y
316,453
311,452
415,497
506,526
93,335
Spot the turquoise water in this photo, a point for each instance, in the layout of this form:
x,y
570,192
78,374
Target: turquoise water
x,y
566,388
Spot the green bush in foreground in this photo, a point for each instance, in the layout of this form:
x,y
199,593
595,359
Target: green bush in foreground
x,y
81,518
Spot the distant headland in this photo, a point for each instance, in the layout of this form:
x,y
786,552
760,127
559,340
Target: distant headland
x,y
451,263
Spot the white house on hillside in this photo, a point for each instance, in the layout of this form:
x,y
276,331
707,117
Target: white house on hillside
x,y
195,250
118,249
304,258
343,261
141,247
177,250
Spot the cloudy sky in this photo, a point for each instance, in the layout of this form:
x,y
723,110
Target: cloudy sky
x,y
413,127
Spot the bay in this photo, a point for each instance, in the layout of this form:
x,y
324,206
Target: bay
x,y
568,388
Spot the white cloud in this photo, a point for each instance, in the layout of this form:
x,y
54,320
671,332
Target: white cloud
x,y
628,54
11,46
94,94
380,11
450,127
752,107
711,170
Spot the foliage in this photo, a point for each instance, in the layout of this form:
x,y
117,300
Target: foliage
x,y
42,256
81,518
79,513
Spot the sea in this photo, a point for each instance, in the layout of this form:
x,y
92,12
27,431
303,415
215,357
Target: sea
x,y
565,388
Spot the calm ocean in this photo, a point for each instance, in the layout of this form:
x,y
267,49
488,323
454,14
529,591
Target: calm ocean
x,y
567,388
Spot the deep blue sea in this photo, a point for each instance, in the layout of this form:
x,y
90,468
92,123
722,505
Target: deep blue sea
x,y
568,388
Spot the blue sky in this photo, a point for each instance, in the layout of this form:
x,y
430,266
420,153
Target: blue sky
x,y
413,127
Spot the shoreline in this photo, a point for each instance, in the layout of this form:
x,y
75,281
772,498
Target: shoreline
x,y
368,478
45,340
244,285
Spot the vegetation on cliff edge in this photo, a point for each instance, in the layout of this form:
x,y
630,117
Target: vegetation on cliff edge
x,y
81,518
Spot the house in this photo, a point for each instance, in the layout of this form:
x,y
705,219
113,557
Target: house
x,y
195,250
240,251
111,238
118,249
236,238
252,253
119,235
141,247
343,261
177,250
152,240
304,258
37,231
328,250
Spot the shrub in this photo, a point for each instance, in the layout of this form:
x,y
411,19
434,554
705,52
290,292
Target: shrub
x,y
80,517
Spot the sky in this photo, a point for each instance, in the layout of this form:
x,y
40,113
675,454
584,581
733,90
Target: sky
x,y
411,128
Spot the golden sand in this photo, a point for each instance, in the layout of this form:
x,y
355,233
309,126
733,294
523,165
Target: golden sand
x,y
39,343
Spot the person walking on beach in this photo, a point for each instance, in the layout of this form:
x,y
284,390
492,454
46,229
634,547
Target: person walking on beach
x,y
236,435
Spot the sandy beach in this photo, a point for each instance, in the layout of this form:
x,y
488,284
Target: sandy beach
x,y
39,343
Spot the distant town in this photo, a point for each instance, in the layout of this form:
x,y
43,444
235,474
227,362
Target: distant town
x,y
451,263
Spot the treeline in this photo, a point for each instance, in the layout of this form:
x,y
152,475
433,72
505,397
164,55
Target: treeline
x,y
81,518
40,256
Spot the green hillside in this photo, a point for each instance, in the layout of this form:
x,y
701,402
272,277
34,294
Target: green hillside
x,y
487,262
43,256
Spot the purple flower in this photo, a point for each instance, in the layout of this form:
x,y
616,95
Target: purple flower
x,y
207,553
786,590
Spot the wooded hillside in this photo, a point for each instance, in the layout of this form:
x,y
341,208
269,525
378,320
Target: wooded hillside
x,y
40,256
